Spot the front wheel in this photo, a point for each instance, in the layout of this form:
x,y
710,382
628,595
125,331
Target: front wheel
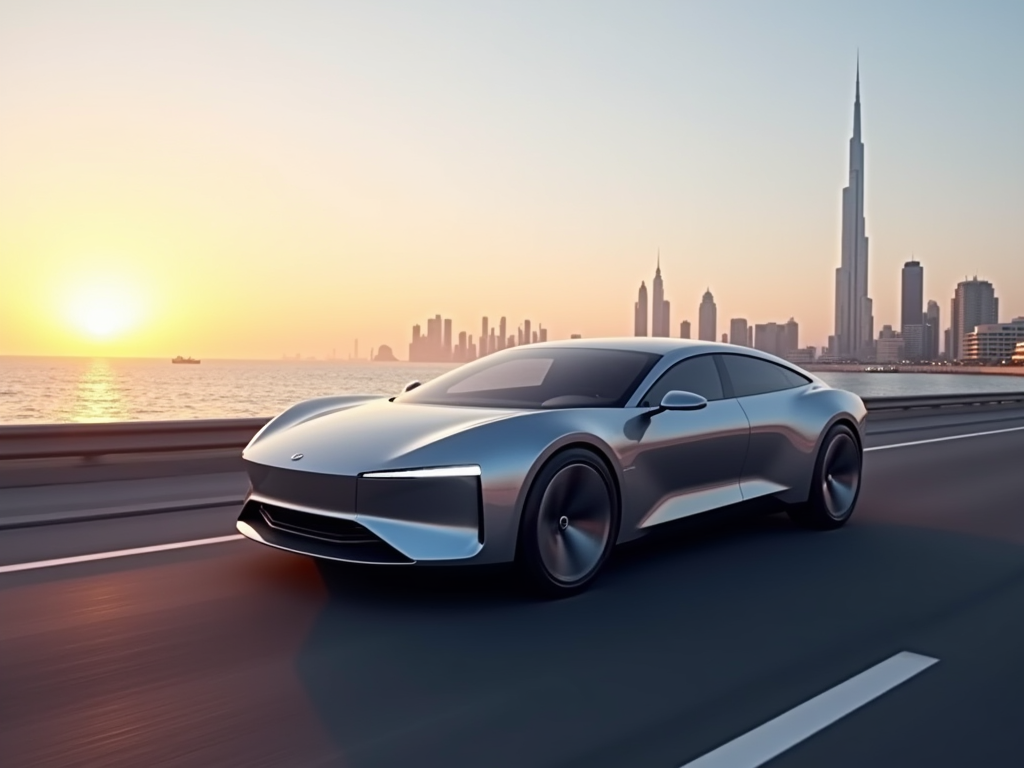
x,y
835,485
569,523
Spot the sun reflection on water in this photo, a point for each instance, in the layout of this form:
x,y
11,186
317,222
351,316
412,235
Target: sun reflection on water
x,y
98,394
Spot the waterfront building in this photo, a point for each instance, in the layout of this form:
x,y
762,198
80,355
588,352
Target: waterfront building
x,y
854,322
640,311
684,329
801,356
912,311
707,327
738,331
974,303
1018,354
889,348
994,342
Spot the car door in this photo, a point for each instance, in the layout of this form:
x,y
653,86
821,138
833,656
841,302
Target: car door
x,y
687,462
781,449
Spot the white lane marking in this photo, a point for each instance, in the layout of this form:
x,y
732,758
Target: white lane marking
x,y
787,730
117,553
944,439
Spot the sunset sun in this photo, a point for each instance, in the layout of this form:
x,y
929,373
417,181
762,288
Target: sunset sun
x,y
103,309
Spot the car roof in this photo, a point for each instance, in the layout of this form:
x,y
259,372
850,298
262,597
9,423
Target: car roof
x,y
657,345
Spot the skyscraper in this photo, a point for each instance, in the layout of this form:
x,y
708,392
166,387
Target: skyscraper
x,y
527,336
447,352
738,331
931,331
912,311
854,321
640,312
707,325
659,326
974,304
791,336
483,338
502,334
684,329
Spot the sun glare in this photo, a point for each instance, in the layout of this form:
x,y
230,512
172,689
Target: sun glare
x,y
103,309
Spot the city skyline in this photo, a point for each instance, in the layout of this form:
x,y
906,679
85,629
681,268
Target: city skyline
x,y
143,211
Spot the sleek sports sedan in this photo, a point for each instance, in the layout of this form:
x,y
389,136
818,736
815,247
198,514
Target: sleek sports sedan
x,y
548,455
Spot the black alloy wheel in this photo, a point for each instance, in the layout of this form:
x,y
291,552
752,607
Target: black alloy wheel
x,y
570,523
835,485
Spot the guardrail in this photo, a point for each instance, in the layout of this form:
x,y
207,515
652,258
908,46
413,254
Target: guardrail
x,y
881,404
54,441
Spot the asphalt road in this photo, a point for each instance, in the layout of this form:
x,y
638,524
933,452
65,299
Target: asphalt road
x,y
233,654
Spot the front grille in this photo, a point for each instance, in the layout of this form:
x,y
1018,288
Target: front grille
x,y
323,527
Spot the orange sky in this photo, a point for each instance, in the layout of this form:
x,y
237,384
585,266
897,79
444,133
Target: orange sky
x,y
247,181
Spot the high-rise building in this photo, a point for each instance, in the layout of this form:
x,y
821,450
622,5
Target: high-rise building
x,y
492,342
666,318
854,322
640,312
912,311
462,351
750,336
502,334
543,333
791,337
738,330
932,325
447,352
974,304
707,326
527,336
483,338
769,337
684,329
659,313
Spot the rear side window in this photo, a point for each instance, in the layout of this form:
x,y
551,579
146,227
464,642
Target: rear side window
x,y
750,376
696,374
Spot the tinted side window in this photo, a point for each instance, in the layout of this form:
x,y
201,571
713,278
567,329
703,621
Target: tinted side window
x,y
697,374
750,376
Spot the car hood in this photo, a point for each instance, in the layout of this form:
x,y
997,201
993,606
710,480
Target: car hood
x,y
377,435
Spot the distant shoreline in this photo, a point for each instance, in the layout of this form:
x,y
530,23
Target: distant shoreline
x,y
976,370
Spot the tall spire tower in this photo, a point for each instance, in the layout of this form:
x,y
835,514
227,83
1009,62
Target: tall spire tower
x,y
659,307
854,328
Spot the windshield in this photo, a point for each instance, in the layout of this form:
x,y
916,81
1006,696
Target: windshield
x,y
540,378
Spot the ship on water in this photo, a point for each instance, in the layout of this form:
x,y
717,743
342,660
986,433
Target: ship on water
x,y
179,360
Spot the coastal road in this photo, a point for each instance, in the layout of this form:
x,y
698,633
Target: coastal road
x,y
693,646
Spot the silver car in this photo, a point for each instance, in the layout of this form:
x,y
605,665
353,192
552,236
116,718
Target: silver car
x,y
548,455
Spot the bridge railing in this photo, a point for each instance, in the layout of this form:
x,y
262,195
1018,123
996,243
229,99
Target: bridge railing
x,y
54,441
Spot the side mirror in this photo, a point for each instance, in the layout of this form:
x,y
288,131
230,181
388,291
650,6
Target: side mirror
x,y
677,400
410,386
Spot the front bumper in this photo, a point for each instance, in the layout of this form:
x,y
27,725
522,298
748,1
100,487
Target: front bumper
x,y
387,521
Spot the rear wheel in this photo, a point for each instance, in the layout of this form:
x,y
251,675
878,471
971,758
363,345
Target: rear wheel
x,y
569,523
835,485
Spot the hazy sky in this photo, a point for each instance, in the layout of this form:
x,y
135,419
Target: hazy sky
x,y
252,178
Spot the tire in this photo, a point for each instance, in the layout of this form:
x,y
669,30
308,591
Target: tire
x,y
569,525
835,485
